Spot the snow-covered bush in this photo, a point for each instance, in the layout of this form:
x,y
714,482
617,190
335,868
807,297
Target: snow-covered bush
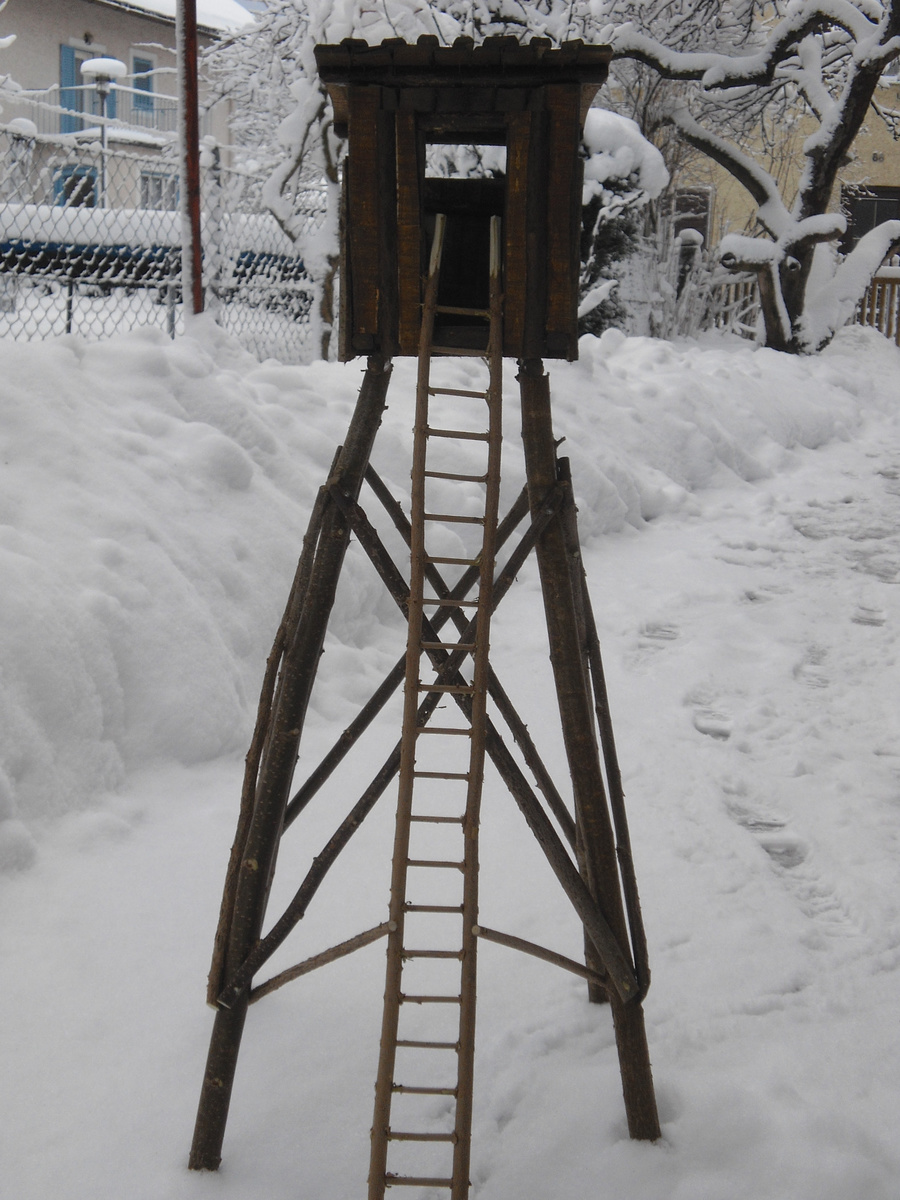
x,y
622,173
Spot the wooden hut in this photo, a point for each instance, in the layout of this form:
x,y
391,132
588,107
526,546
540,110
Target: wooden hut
x,y
396,99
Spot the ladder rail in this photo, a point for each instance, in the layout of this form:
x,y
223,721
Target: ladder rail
x,y
392,991
481,669
421,641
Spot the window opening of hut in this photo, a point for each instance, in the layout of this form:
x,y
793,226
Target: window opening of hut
x,y
466,182
466,160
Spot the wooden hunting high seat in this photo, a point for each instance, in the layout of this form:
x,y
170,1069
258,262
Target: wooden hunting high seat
x,y
396,99
438,267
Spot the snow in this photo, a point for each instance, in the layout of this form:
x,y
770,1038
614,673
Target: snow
x,y
740,513
617,150
834,291
109,68
213,14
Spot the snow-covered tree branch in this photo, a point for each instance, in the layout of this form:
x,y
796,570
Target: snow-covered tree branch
x,y
6,83
825,55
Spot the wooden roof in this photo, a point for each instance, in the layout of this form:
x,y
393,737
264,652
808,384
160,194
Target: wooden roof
x,y
496,62
496,65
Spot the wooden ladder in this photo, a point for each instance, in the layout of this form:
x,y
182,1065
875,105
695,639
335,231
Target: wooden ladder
x,y
421,1132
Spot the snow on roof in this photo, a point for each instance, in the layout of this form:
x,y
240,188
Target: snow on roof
x,y
213,14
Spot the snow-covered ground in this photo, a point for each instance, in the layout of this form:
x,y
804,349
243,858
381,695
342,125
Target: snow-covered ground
x,y
741,518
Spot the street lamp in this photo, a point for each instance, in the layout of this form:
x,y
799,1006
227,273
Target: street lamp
x,y
103,71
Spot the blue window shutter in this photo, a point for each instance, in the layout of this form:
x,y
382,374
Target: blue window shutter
x,y
68,89
111,102
143,83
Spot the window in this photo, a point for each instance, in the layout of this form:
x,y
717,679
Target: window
x,y
142,82
866,207
75,187
73,94
159,190
689,208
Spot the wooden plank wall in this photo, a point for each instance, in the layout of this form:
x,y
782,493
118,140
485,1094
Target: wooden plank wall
x,y
384,226
565,178
363,176
518,152
410,172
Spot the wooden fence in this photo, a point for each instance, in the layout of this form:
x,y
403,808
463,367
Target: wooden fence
x,y
735,305
880,307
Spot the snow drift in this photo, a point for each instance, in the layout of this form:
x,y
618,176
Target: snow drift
x,y
154,496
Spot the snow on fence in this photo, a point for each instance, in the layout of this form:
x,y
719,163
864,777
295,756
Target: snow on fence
x,y
90,243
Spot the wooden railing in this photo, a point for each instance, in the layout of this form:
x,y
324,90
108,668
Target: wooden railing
x,y
880,307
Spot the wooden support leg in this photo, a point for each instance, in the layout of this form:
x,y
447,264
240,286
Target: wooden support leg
x,y
579,734
260,833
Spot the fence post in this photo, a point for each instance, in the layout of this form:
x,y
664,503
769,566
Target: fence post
x,y
189,147
215,232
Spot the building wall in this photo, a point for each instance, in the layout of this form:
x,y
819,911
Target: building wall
x,y
97,30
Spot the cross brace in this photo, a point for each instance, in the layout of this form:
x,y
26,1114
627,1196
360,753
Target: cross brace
x,y
589,851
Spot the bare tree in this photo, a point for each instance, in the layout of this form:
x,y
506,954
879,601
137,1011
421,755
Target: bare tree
x,y
825,56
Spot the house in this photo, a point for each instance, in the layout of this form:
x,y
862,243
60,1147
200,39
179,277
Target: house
x,y
78,141
90,228
55,38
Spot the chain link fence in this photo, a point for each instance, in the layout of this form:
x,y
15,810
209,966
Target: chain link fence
x,y
90,241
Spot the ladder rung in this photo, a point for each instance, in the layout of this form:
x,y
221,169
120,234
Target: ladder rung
x,y
452,310
429,999
433,908
415,1181
441,774
444,863
462,434
450,730
451,562
452,689
459,479
433,954
457,392
450,602
467,646
407,1090
453,517
440,820
427,1045
397,1136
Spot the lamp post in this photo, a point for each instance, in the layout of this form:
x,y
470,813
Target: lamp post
x,y
104,72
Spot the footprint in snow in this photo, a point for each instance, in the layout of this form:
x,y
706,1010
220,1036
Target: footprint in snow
x,y
708,718
751,814
810,669
866,615
658,631
712,723
651,639
785,849
791,858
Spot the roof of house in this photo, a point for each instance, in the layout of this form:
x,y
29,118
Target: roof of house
x,y
220,15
